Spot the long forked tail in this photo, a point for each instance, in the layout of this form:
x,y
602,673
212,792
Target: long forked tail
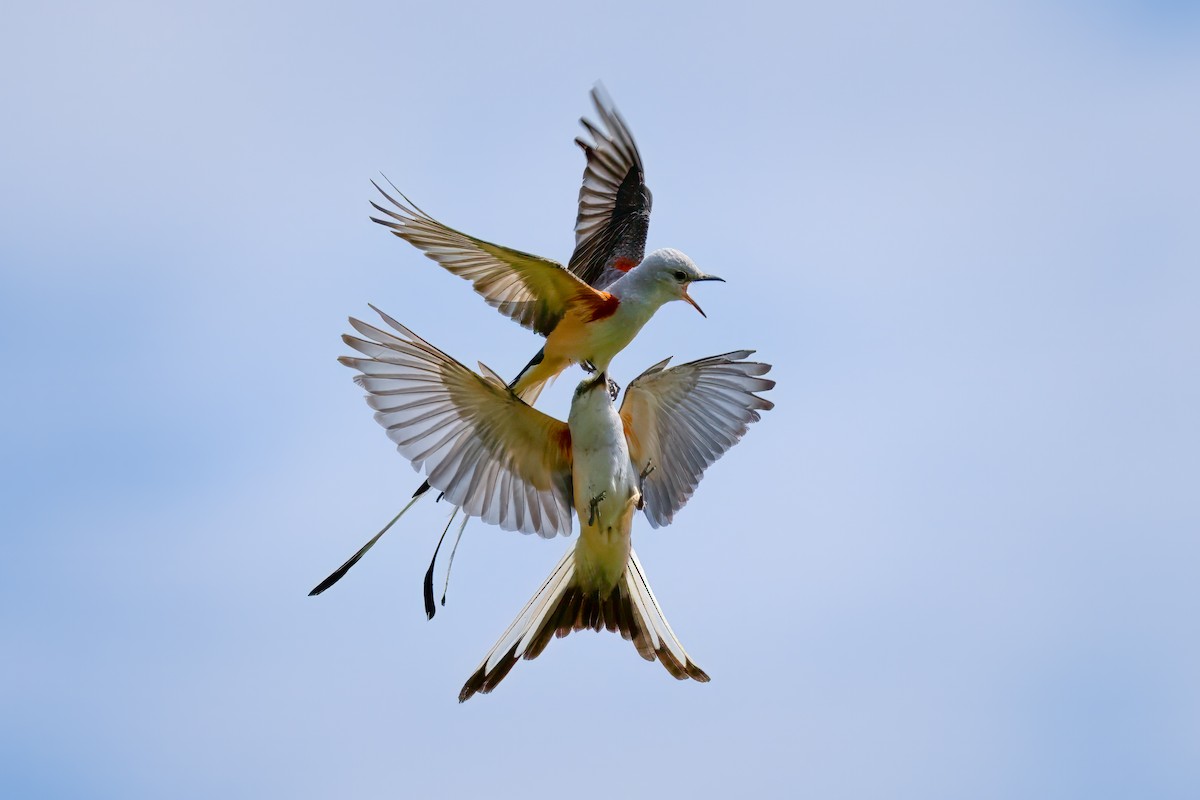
x,y
427,587
561,607
341,571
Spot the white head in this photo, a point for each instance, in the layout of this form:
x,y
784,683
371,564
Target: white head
x,y
668,273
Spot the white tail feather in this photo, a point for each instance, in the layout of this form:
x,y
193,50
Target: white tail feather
x,y
635,577
560,606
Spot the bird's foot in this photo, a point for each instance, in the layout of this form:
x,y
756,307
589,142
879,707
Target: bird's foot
x,y
595,501
588,366
641,503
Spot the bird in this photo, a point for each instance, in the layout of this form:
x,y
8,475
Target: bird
x,y
591,309
582,324
501,460
588,311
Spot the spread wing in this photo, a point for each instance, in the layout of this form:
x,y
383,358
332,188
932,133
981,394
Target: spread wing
x,y
533,291
680,420
614,201
492,454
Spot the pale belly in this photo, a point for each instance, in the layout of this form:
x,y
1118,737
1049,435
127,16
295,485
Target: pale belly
x,y
602,470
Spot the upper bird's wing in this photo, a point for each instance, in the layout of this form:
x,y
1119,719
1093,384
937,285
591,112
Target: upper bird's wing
x,y
614,201
492,454
680,420
534,291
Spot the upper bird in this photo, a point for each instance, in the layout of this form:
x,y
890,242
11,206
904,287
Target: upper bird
x,y
509,464
590,310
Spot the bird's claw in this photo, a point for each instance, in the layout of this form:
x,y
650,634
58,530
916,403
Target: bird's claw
x,y
641,503
595,501
588,366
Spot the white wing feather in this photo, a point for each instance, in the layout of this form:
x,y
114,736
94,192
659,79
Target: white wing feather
x,y
682,419
491,453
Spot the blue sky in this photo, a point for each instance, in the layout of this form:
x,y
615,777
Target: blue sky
x,y
957,560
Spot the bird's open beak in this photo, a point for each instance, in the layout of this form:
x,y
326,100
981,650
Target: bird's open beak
x,y
688,297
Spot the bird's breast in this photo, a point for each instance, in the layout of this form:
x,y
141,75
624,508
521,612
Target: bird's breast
x,y
605,500
597,335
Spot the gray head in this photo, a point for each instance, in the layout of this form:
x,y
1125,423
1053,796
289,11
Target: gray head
x,y
596,391
595,381
671,272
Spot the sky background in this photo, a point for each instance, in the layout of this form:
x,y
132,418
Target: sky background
x,y
959,559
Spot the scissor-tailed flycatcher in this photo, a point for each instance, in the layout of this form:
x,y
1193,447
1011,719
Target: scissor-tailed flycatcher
x,y
571,307
501,460
591,311
582,325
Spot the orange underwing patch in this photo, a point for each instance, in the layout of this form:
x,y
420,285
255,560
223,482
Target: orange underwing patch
x,y
564,444
624,264
635,447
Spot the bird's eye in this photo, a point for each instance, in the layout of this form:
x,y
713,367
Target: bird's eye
x,y
680,275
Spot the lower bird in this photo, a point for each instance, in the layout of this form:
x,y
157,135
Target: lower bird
x,y
500,459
